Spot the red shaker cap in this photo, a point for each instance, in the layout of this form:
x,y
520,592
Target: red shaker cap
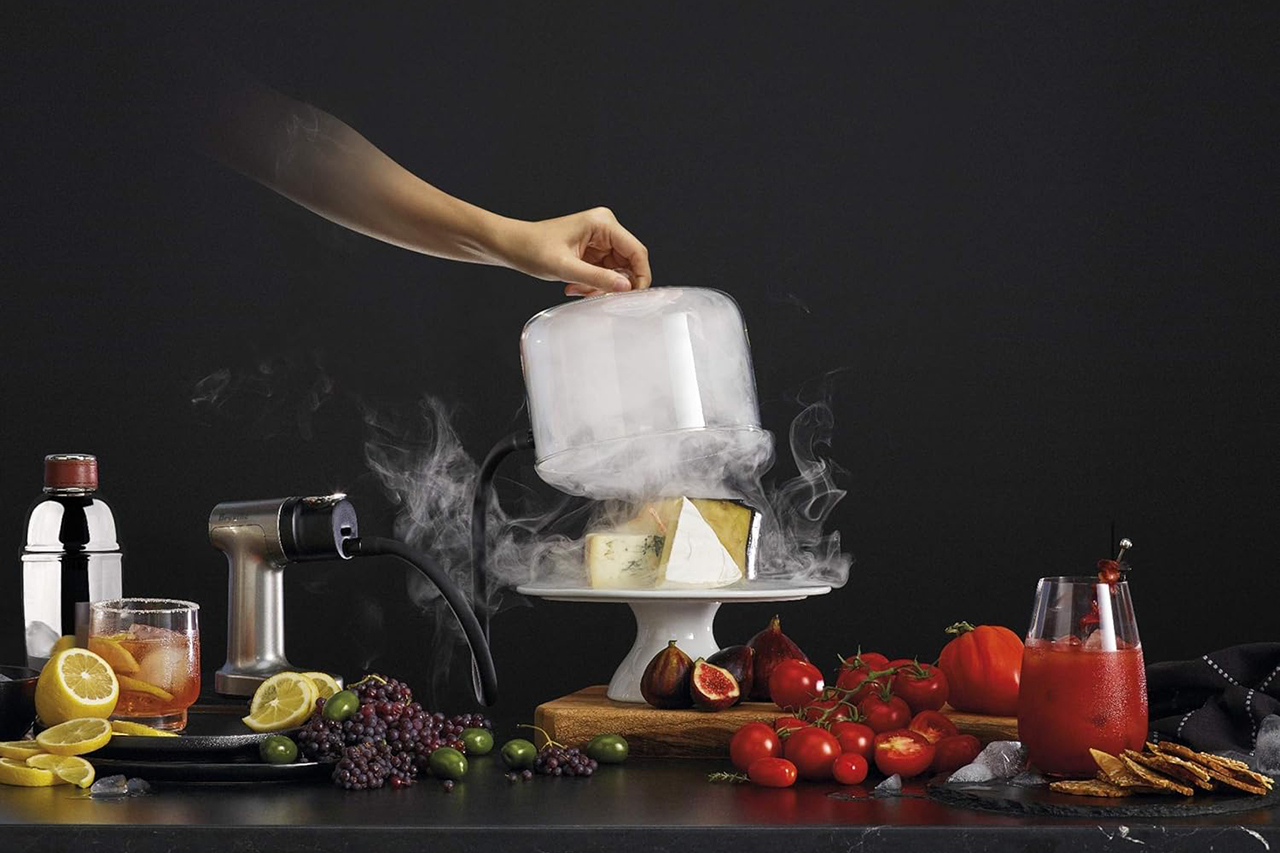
x,y
71,471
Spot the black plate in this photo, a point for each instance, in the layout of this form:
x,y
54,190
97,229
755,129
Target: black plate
x,y
213,732
1009,799
207,772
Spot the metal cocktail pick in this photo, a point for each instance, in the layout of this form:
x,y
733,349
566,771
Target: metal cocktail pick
x,y
1125,545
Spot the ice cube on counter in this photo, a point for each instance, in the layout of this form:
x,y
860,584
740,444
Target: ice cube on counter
x,y
4,677
138,787
1029,778
890,787
974,772
109,786
1266,750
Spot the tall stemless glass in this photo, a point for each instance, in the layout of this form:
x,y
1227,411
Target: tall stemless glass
x,y
153,644
1083,683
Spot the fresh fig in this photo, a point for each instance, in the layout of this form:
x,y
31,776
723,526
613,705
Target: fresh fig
x,y
741,663
772,647
665,683
713,687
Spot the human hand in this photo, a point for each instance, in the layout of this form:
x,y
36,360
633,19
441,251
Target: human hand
x,y
589,251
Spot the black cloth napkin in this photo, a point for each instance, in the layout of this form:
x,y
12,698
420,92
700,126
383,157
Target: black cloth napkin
x,y
1216,701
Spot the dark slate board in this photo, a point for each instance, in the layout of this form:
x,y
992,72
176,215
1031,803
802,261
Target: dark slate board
x,y
206,772
1008,799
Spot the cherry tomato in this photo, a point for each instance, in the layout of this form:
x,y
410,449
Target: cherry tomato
x,y
933,726
794,684
952,753
753,741
856,675
772,772
883,712
855,737
829,710
904,752
921,685
849,769
786,725
983,666
812,750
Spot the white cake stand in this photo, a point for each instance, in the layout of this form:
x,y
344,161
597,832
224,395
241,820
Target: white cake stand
x,y
684,615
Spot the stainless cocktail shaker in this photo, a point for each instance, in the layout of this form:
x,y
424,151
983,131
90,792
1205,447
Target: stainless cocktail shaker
x,y
71,557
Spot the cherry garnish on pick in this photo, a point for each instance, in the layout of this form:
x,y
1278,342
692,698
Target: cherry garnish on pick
x,y
1110,571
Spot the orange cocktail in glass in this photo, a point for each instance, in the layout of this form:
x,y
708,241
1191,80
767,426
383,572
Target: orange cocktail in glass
x,y
153,645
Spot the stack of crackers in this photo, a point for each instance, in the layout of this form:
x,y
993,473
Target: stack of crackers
x,y
1164,768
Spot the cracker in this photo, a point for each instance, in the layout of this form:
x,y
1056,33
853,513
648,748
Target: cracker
x,y
1089,788
1175,768
1112,769
1226,770
1154,779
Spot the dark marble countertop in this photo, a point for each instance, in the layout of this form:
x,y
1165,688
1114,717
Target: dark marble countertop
x,y
645,805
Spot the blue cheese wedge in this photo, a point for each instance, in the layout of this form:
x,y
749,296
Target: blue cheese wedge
x,y
693,554
623,560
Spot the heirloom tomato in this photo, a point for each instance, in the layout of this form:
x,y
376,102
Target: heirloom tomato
x,y
983,667
753,741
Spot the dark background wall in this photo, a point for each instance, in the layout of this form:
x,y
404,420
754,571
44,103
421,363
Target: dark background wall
x,y
1036,241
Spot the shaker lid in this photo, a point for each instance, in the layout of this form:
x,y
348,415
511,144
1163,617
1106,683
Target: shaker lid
x,y
70,471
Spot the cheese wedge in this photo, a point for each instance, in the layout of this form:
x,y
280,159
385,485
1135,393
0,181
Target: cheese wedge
x,y
693,554
623,560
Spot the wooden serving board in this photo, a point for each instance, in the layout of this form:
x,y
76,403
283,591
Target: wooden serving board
x,y
578,717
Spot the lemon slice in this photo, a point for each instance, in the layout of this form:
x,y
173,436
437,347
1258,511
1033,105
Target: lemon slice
x,y
19,749
324,683
66,641
18,773
120,658
76,683
283,701
137,685
125,727
67,769
75,737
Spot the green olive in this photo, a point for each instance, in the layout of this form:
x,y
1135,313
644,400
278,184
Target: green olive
x,y
341,706
448,763
278,749
519,753
478,741
608,749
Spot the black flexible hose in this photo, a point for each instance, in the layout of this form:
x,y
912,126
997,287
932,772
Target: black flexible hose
x,y
517,441
483,671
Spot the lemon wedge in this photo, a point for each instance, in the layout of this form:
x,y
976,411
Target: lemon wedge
x,y
125,727
137,685
75,683
67,769
75,737
120,658
326,685
18,773
283,701
19,749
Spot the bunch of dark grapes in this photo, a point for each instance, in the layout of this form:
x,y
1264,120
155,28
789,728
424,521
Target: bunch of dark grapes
x,y
556,760
389,739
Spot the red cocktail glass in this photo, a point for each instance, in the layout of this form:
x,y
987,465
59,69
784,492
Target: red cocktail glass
x,y
1083,683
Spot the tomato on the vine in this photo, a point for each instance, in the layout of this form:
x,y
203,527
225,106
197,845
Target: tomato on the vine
x,y
795,683
855,737
812,750
904,752
754,741
952,753
849,769
772,772
921,685
862,675
829,710
933,726
883,712
786,725
865,660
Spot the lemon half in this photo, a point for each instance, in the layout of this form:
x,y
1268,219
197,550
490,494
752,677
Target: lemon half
x,y
326,685
74,684
283,701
